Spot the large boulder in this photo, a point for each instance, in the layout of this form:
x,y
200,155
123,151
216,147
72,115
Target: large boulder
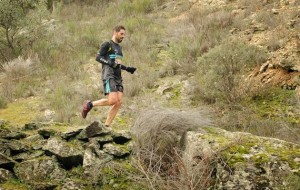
x,y
241,160
206,157
69,154
43,171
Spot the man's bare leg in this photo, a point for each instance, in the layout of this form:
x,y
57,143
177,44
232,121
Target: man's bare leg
x,y
102,102
115,100
114,110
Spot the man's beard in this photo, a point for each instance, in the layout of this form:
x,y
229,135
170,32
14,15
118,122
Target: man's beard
x,y
119,40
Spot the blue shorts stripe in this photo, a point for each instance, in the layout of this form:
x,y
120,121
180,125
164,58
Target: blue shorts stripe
x,y
107,86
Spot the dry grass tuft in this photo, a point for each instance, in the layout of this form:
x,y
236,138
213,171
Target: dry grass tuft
x,y
158,151
17,77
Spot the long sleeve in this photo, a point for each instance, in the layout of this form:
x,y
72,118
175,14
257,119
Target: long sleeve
x,y
102,54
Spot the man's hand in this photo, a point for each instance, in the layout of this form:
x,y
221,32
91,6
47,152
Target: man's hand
x,y
117,65
130,69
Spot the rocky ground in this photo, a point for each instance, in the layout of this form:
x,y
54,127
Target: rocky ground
x,y
45,155
58,156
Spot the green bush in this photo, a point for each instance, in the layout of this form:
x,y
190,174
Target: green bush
x,y
20,26
220,69
206,29
270,19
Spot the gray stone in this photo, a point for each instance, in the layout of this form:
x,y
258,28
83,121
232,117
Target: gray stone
x,y
17,147
33,126
70,134
69,154
28,155
47,133
35,142
103,140
94,159
6,162
275,11
4,149
121,137
93,130
40,170
5,175
241,160
44,185
15,135
70,184
49,115
116,150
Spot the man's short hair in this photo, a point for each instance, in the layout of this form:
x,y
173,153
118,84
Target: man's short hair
x,y
118,28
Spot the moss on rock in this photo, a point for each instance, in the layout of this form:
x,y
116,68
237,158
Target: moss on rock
x,y
245,158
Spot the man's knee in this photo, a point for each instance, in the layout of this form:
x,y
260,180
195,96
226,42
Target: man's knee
x,y
115,102
119,102
114,99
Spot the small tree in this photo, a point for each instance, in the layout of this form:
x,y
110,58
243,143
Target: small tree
x,y
19,23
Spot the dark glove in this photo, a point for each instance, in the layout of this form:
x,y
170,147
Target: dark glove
x,y
130,69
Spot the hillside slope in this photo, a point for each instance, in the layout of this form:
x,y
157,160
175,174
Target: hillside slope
x,y
182,43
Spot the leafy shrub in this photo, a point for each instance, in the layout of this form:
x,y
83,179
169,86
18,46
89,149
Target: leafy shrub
x,y
270,19
20,26
220,69
206,29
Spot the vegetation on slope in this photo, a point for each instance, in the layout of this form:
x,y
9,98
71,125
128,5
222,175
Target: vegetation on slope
x,y
164,39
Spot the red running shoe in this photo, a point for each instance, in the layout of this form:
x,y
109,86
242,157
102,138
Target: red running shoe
x,y
87,106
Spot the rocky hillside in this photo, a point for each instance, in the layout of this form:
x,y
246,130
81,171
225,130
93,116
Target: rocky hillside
x,y
56,156
167,148
274,26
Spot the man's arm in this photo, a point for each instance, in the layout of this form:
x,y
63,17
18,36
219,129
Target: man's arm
x,y
104,48
101,59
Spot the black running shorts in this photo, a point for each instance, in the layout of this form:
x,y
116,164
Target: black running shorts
x,y
111,85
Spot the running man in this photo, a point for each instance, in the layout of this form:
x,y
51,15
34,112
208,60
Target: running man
x,y
110,56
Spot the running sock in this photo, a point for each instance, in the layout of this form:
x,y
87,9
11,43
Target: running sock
x,y
90,105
